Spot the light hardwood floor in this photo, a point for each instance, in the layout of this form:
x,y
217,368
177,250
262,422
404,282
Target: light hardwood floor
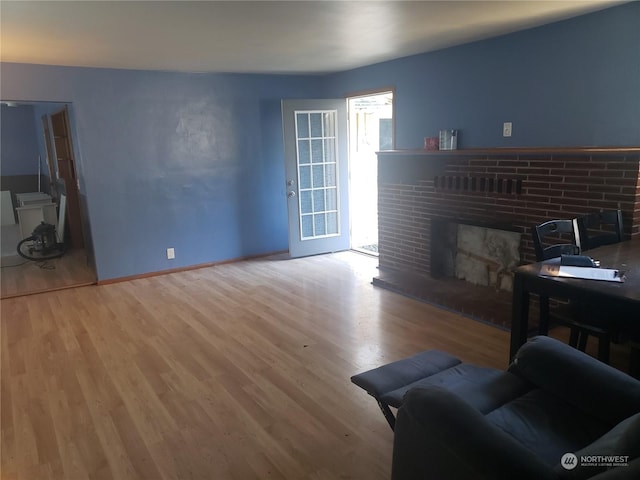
x,y
239,371
24,277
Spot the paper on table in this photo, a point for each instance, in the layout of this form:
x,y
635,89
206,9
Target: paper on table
x,y
588,273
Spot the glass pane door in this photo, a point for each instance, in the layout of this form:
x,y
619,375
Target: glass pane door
x,y
316,169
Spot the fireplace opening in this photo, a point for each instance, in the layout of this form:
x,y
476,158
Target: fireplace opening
x,y
470,270
481,255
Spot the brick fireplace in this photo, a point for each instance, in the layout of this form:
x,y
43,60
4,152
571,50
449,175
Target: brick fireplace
x,y
505,189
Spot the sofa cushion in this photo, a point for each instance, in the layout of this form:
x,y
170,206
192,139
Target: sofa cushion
x,y
440,436
547,425
580,380
621,440
485,389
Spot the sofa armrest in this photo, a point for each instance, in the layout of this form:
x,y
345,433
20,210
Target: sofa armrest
x,y
579,379
438,435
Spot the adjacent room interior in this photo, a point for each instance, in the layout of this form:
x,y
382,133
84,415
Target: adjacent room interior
x,y
38,175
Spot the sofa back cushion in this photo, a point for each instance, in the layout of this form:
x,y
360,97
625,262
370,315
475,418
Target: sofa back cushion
x,y
582,381
623,440
547,425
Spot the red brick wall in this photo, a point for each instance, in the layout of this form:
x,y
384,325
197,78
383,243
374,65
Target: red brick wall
x,y
527,190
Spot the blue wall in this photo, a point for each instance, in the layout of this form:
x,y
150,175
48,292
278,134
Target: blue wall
x,y
572,83
18,141
190,161
195,161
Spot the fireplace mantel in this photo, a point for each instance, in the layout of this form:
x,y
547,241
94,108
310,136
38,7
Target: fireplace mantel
x,y
511,151
409,166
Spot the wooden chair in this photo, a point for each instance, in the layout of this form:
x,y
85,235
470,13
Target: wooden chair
x,y
552,239
594,230
599,228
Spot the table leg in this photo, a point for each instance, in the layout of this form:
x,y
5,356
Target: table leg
x,y
543,326
519,316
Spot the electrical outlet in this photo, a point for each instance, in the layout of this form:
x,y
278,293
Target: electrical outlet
x,y
506,129
171,253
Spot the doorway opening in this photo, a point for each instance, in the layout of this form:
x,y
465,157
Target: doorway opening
x,y
40,182
370,130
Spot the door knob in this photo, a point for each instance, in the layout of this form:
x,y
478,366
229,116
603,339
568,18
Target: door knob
x,y
291,194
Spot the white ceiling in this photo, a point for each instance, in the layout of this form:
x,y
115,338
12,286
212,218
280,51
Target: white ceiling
x,y
258,36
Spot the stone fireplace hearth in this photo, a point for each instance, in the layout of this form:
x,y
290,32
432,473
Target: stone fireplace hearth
x,y
503,189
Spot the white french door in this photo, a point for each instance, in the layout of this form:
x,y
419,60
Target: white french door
x,y
316,168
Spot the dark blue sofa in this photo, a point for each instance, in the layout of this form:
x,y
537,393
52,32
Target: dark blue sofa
x,y
519,424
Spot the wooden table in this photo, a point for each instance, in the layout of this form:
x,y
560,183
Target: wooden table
x,y
623,297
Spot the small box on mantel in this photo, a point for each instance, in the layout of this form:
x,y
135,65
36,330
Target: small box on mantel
x,y
431,143
448,139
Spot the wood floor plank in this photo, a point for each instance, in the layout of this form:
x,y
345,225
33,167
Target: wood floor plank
x,y
19,276
237,371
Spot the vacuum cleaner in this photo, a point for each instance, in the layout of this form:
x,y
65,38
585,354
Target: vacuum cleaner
x,y
42,244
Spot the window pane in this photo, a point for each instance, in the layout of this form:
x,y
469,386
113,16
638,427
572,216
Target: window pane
x,y
330,175
316,124
303,125
303,152
332,199
307,226
330,150
319,223
318,201
329,124
332,223
305,177
318,176
305,202
317,156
